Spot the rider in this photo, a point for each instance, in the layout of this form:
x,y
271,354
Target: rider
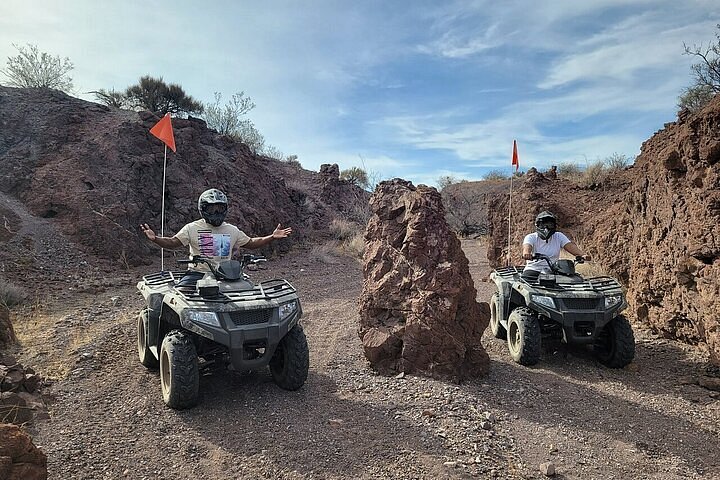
x,y
546,240
211,236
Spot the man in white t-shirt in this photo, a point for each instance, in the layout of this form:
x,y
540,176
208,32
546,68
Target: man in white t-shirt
x,y
211,236
547,241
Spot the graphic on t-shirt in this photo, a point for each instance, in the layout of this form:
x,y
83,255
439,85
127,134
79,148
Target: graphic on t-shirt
x,y
213,244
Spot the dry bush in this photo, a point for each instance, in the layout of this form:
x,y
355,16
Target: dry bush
x,y
343,229
594,174
569,170
355,246
11,294
326,253
617,161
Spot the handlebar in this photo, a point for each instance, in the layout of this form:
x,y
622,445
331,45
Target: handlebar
x,y
246,259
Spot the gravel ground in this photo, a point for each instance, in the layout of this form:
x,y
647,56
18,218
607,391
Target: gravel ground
x,y
108,421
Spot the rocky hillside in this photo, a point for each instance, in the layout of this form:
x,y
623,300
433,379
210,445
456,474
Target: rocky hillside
x,y
97,172
656,226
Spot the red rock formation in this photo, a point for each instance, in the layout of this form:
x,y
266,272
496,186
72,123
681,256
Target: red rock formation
x,y
418,308
19,458
655,226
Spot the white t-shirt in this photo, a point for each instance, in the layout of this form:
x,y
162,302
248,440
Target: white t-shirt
x,y
209,241
551,248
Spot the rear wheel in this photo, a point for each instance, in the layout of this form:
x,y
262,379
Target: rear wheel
x,y
146,356
495,326
524,336
179,374
615,346
291,360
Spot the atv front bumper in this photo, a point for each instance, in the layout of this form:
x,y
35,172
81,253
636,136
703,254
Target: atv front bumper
x,y
250,335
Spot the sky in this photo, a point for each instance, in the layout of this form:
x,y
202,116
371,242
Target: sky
x,y
411,89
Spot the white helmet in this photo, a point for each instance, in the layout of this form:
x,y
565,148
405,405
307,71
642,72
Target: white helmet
x,y
215,216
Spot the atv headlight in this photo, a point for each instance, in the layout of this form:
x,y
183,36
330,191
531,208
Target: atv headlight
x,y
613,300
543,300
208,318
287,309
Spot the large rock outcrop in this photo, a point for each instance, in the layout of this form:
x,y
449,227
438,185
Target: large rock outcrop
x,y
655,226
19,458
418,308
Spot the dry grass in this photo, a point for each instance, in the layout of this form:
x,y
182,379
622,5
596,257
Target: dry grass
x,y
11,294
355,246
343,230
326,253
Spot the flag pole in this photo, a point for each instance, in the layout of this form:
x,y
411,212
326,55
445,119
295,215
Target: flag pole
x,y
510,218
162,213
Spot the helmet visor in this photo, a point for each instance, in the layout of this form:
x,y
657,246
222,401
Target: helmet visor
x,y
215,208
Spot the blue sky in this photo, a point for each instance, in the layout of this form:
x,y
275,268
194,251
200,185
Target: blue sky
x,y
411,89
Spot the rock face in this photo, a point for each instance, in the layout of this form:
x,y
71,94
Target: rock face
x,y
19,458
418,308
656,227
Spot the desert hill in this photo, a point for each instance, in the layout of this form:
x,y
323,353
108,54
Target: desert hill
x,y
97,172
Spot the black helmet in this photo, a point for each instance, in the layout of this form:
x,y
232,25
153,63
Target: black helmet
x,y
215,216
545,225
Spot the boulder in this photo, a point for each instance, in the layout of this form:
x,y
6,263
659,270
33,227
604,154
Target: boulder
x,y
418,308
7,333
20,459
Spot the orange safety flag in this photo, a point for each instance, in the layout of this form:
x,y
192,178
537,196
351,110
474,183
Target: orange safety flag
x,y
163,130
515,160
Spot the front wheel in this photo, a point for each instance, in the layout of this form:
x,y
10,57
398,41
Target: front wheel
x,y
146,356
291,361
524,336
615,346
495,326
179,373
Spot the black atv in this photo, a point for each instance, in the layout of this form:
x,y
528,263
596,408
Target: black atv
x,y
224,320
561,306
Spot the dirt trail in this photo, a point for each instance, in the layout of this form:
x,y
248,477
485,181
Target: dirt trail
x,y
108,419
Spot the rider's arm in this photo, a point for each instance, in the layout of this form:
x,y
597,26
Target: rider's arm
x,y
527,251
573,249
257,242
170,243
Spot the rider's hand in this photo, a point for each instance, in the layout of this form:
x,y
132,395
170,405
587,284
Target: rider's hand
x,y
148,232
281,232
586,258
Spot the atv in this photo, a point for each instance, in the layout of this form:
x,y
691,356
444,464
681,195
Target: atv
x,y
560,307
224,320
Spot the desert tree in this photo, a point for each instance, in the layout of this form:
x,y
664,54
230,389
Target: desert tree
x,y
248,134
465,209
111,98
226,118
33,68
445,181
706,75
495,175
155,95
356,176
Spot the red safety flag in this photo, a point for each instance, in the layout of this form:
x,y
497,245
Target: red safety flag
x,y
163,130
515,160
